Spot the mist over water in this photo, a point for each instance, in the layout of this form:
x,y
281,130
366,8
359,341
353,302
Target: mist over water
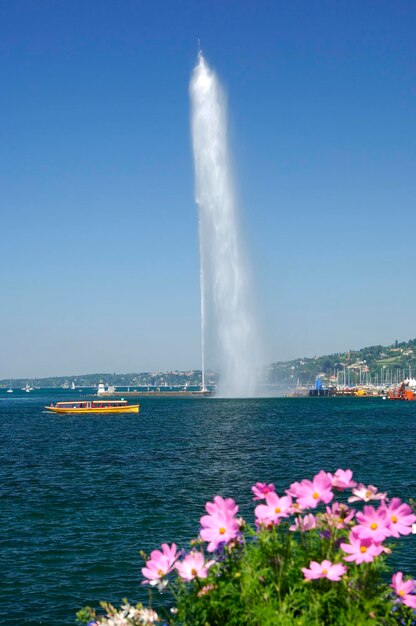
x,y
229,337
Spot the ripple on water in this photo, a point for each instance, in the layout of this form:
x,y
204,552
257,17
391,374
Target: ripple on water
x,y
80,496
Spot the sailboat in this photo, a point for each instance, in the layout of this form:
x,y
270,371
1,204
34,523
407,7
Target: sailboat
x,y
10,390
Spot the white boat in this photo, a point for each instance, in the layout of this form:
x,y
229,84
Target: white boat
x,y
10,390
73,385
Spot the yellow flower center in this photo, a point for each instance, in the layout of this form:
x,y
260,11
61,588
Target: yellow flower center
x,y
315,495
325,571
373,526
363,549
401,592
368,494
194,572
277,510
160,572
394,519
222,531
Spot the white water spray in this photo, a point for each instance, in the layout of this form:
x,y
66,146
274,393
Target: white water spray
x,y
228,328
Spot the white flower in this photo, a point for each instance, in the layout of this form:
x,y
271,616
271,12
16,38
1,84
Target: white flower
x,y
129,615
366,494
148,616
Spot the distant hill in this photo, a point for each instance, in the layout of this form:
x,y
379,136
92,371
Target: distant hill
x,y
372,364
176,378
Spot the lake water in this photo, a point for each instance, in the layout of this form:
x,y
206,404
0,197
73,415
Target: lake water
x,y
81,495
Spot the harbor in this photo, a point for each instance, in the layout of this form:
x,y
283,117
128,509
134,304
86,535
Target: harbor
x,y
404,390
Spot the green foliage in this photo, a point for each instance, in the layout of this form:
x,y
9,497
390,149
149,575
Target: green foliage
x,y
260,583
85,615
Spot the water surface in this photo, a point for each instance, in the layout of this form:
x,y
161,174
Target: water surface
x,y
81,495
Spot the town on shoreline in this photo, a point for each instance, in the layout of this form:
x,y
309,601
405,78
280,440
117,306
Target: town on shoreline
x,y
375,367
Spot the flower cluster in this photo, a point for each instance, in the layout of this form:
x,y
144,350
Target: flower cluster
x,y
127,615
366,536
299,537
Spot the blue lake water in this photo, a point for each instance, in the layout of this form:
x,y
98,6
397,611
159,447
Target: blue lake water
x,y
81,495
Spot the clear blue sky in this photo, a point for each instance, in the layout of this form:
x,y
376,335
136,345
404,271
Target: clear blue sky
x,y
99,251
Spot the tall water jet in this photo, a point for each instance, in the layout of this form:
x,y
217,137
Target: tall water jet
x,y
228,325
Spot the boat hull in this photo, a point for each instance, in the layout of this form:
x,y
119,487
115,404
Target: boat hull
x,y
410,399
132,408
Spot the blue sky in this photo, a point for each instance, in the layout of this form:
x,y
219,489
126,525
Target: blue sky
x,y
99,252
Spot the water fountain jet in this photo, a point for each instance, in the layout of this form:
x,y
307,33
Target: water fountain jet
x,y
227,319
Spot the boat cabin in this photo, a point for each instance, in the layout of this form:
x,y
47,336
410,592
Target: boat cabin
x,y
95,404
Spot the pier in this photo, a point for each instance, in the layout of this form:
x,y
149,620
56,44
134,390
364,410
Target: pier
x,y
157,394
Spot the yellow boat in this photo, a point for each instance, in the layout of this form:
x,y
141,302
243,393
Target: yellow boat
x,y
95,406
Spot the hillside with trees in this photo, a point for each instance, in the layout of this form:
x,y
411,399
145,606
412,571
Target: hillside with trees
x,y
373,364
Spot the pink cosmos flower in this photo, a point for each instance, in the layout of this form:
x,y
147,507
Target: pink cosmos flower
x,y
372,524
400,586
410,600
404,589
400,517
293,490
361,550
326,569
311,493
304,524
221,505
193,566
218,528
159,564
342,479
261,490
365,494
339,515
274,509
